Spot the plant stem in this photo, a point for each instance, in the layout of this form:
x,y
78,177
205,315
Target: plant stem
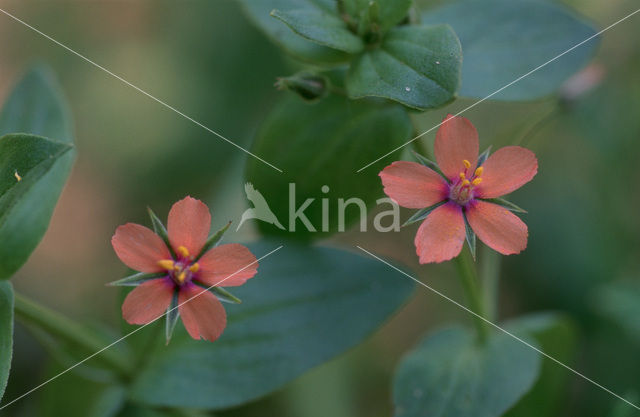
x,y
490,274
54,323
469,279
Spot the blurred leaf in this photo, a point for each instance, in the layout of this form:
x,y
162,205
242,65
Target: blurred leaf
x,y
321,27
324,144
6,333
387,13
505,39
418,66
556,336
620,302
259,12
305,306
451,374
35,107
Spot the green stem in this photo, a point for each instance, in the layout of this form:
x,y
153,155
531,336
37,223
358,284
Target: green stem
x,y
56,324
490,274
469,279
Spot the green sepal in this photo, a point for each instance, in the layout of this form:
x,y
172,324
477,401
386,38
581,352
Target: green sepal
x,y
506,204
470,237
220,293
171,317
310,87
422,214
160,230
483,156
429,164
213,241
136,279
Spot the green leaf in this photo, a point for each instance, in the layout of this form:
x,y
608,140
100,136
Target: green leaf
x,y
556,336
321,27
506,204
305,306
389,12
422,214
451,374
503,40
6,333
259,12
418,66
323,145
35,107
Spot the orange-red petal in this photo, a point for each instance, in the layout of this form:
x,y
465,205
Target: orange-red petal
x,y
456,140
227,265
413,185
202,314
506,170
139,248
497,227
148,301
441,235
188,225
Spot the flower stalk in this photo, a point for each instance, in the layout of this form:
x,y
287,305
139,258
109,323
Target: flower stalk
x,y
54,323
469,279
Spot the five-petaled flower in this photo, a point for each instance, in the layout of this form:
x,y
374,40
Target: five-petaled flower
x,y
462,193
181,275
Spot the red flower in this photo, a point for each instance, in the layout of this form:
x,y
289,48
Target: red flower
x,y
185,275
464,189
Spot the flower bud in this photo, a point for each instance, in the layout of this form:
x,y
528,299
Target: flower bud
x,y
309,86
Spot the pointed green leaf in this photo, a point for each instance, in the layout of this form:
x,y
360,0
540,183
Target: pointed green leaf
x,y
136,279
418,66
422,214
321,27
389,12
470,238
224,295
301,48
172,316
6,333
451,374
505,39
506,204
483,156
286,325
429,164
213,240
35,107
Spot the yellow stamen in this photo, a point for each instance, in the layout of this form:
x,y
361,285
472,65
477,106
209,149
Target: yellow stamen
x,y
462,176
181,277
466,163
479,171
18,177
166,264
194,268
465,183
476,181
184,252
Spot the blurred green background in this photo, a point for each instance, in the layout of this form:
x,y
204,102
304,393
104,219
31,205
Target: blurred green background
x,y
200,57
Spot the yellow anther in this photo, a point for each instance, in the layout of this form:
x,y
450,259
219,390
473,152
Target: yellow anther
x,y
181,277
462,176
466,163
18,177
476,181
194,268
479,171
184,252
465,183
166,264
